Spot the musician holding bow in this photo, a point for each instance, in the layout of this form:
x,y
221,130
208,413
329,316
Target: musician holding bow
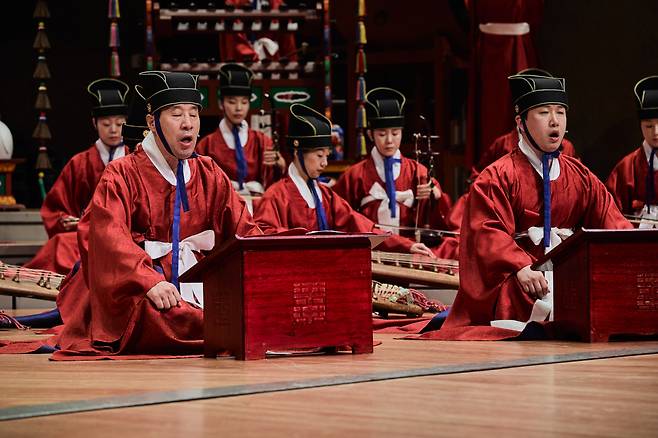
x,y
299,201
388,188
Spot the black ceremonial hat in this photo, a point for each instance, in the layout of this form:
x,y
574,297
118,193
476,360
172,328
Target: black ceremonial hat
x,y
235,80
646,91
529,91
164,88
108,97
135,128
308,129
384,108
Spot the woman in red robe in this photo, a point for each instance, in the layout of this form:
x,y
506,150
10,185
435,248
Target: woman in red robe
x,y
73,189
153,214
507,224
245,155
370,185
634,179
299,201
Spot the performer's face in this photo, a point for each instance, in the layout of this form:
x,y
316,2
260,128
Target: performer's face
x,y
180,125
547,125
235,108
109,129
387,141
650,131
315,161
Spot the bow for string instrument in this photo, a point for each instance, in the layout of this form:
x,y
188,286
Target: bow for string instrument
x,y
425,155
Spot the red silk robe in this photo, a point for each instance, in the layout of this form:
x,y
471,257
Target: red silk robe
x,y
627,182
354,185
134,203
504,200
69,196
214,146
283,207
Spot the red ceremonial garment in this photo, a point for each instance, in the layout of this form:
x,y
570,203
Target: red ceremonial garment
x,y
363,186
628,180
506,199
69,196
284,207
215,146
131,209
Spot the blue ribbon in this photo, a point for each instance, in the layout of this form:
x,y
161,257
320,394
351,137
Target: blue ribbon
x,y
390,183
239,158
320,214
545,161
651,189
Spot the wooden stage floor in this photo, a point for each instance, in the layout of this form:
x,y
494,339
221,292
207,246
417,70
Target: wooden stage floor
x,y
406,388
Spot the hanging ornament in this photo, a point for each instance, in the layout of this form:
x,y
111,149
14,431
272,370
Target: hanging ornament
x,y
43,102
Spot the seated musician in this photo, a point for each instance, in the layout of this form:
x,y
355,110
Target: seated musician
x,y
499,148
245,155
388,188
634,179
160,206
518,208
73,189
298,201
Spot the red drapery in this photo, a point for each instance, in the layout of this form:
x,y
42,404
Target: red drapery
x,y
493,59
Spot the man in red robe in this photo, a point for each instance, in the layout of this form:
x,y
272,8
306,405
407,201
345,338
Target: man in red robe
x,y
508,224
298,201
390,189
634,179
152,215
73,189
245,155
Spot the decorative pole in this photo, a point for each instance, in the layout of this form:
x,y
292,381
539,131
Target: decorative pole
x,y
361,69
114,14
42,104
327,59
150,47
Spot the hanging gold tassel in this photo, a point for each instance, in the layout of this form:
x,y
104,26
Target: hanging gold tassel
x,y
41,71
41,40
41,10
362,8
43,102
361,144
113,9
361,32
43,162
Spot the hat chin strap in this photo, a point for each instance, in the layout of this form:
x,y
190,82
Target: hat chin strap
x,y
163,139
532,141
300,156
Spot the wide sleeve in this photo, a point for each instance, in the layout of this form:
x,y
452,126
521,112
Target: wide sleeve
x,y
617,185
347,188
270,215
120,272
61,201
602,211
233,217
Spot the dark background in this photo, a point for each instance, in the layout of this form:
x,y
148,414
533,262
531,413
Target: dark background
x,y
602,48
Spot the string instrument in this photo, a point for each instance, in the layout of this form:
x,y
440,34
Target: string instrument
x,y
637,220
273,125
389,298
425,155
415,268
29,283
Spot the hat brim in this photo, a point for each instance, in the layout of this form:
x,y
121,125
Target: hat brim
x,y
310,143
109,110
539,98
235,91
386,122
174,96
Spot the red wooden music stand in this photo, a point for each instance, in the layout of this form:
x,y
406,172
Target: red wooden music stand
x,y
281,293
606,283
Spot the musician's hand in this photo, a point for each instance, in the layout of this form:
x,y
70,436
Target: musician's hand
x,y
164,295
69,222
420,248
274,158
532,282
329,183
423,191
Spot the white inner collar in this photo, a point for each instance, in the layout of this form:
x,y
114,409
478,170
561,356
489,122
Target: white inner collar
x,y
302,187
227,133
647,152
535,160
104,151
379,164
158,160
